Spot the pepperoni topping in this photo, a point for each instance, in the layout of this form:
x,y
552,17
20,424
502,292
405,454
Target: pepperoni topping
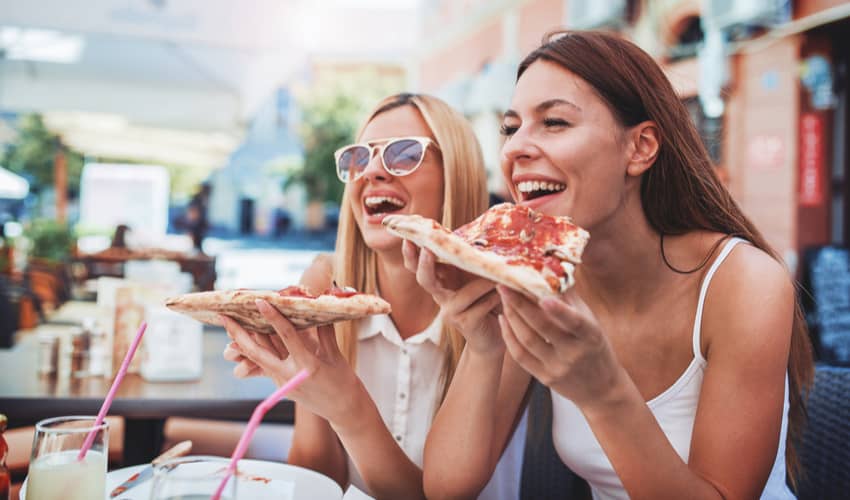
x,y
300,291
524,236
295,291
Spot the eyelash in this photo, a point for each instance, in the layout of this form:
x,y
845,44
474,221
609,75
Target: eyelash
x,y
509,130
555,122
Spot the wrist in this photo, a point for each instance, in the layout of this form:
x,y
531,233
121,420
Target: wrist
x,y
353,411
613,401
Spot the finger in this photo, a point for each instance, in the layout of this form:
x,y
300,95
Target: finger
x,y
532,339
517,351
291,339
410,253
529,310
246,369
565,313
263,340
426,273
471,294
274,317
247,346
279,347
327,341
231,353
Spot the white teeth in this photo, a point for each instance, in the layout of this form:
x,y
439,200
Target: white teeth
x,y
374,201
529,186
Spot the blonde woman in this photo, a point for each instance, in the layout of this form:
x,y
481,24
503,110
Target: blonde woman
x,y
363,415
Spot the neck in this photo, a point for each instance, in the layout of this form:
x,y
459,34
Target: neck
x,y
622,266
413,308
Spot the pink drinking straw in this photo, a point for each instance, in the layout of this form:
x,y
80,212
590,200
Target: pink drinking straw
x,y
259,412
111,394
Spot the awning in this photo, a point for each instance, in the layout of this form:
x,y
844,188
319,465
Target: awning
x,y
13,186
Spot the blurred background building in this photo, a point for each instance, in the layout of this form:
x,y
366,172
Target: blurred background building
x,y
252,97
765,81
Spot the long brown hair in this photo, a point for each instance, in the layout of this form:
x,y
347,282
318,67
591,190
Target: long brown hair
x,y
681,192
464,198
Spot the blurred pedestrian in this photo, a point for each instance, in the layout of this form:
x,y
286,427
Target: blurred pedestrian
x,y
196,218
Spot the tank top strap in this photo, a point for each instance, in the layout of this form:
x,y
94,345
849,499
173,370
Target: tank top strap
x,y
727,248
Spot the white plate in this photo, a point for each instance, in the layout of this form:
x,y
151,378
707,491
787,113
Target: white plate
x,y
258,480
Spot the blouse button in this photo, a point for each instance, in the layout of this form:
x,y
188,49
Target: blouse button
x,y
398,438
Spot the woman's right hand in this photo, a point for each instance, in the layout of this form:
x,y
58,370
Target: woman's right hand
x,y
257,350
467,303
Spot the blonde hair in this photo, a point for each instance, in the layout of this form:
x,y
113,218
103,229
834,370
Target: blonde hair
x,y
464,198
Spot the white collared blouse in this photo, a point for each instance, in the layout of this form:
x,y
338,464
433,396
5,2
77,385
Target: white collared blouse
x,y
403,377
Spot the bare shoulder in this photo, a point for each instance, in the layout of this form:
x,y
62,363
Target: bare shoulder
x,y
750,303
318,277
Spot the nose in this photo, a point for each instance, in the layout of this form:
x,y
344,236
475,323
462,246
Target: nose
x,y
374,169
518,147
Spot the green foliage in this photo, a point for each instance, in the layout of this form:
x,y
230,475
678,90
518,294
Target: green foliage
x,y
50,240
34,153
330,114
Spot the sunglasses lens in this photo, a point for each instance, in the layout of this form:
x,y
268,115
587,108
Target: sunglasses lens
x,y
403,156
352,162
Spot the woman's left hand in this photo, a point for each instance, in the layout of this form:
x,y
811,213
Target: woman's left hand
x,y
559,341
332,388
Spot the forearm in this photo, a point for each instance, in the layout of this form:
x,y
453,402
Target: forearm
x,y
315,446
383,465
645,461
470,429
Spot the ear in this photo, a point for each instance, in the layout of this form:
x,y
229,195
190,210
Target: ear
x,y
644,143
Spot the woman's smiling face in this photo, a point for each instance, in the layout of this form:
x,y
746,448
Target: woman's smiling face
x,y
564,150
377,193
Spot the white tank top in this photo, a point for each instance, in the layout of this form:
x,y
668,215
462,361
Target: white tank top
x,y
674,409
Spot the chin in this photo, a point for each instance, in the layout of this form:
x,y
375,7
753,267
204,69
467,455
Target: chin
x,y
381,241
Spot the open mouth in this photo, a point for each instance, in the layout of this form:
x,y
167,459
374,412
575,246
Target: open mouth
x,y
377,205
530,190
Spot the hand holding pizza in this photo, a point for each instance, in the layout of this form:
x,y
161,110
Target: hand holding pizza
x,y
332,387
467,303
559,341
244,366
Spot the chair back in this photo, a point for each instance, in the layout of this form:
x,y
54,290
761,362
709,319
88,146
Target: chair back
x,y
825,448
544,475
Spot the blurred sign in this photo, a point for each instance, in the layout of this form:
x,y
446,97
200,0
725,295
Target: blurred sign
x,y
766,151
816,77
136,195
811,160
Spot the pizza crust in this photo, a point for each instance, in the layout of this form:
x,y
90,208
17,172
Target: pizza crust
x,y
302,312
450,248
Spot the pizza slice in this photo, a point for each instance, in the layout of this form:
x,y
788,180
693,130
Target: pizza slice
x,y
508,244
296,303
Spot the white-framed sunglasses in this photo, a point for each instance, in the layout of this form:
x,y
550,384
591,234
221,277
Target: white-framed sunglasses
x,y
400,156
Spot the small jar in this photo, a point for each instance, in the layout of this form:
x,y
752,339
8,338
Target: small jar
x,y
97,348
80,353
48,354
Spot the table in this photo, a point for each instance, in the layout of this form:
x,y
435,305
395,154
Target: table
x,y
26,397
259,479
110,262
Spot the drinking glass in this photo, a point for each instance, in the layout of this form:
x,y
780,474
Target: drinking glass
x,y
55,473
192,478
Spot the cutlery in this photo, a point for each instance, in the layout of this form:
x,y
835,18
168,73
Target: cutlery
x,y
178,450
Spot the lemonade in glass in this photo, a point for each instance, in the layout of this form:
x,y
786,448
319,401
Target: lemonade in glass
x,y
55,472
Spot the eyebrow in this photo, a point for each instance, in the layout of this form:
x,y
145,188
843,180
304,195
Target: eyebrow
x,y
545,106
